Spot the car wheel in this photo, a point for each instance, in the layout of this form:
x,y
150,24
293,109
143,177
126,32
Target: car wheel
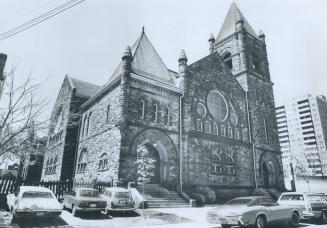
x,y
74,211
295,220
260,222
324,217
225,226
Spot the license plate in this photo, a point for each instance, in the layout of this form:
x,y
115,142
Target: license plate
x,y
122,201
93,205
39,213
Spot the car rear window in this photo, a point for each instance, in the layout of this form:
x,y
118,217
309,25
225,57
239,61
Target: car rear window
x,y
89,193
37,195
122,195
316,198
298,197
239,201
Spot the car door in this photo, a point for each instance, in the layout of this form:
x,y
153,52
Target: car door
x,y
277,213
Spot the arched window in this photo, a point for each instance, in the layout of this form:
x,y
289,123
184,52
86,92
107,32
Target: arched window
x,y
84,126
199,125
103,163
215,129
255,61
237,134
207,127
227,58
216,163
265,128
108,113
142,110
223,130
230,132
88,124
230,163
155,112
81,166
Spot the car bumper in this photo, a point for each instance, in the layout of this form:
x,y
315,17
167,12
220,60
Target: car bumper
x,y
310,215
37,213
89,209
122,209
230,220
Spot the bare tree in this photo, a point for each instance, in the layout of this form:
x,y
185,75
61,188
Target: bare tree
x,y
19,108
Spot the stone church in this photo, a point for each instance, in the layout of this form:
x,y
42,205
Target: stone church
x,y
210,124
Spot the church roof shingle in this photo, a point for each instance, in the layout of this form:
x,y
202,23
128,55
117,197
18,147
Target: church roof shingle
x,y
146,62
229,26
83,89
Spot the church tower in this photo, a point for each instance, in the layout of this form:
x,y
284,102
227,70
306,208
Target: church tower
x,y
244,53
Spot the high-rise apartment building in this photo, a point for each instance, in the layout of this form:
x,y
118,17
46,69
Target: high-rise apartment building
x,y
302,131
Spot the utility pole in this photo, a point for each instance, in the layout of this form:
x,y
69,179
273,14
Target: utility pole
x,y
293,179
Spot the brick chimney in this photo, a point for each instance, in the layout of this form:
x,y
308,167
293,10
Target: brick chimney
x,y
3,59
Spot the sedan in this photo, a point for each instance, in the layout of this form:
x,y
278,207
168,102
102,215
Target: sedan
x,y
118,199
253,210
31,201
84,200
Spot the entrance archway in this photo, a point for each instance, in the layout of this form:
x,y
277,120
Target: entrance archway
x,y
162,149
154,154
268,174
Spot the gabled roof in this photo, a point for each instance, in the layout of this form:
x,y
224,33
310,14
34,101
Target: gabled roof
x,y
146,62
229,26
83,89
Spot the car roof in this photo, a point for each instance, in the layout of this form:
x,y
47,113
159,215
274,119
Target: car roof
x,y
34,188
302,193
117,189
253,197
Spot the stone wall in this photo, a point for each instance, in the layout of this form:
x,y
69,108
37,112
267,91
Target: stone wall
x,y
56,140
205,75
104,137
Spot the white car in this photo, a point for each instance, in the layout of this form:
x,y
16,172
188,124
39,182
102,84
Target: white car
x,y
253,210
313,205
118,199
31,201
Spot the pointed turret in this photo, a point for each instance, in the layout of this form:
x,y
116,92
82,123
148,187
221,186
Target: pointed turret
x,y
211,41
234,21
145,61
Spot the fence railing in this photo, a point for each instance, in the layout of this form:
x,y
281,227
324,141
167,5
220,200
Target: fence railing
x,y
59,188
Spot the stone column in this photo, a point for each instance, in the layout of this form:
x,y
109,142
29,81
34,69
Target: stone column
x,y
125,76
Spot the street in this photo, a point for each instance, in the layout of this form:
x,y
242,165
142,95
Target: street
x,y
160,217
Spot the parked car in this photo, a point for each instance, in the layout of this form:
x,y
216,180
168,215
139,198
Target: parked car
x,y
314,205
253,210
118,199
31,201
84,200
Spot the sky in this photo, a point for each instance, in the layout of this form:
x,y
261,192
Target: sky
x,y
88,40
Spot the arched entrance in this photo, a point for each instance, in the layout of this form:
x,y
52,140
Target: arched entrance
x,y
162,150
154,154
268,174
265,175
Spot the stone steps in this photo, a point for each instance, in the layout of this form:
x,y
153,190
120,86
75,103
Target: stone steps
x,y
157,196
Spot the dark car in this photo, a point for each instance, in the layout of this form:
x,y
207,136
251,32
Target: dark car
x,y
84,200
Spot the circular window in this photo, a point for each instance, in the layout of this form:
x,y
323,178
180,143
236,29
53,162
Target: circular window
x,y
217,106
200,110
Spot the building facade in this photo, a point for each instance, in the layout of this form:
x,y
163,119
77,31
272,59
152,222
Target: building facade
x,y
210,124
302,130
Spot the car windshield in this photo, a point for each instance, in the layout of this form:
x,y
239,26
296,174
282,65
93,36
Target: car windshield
x,y
47,195
122,195
316,198
292,197
239,202
89,193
